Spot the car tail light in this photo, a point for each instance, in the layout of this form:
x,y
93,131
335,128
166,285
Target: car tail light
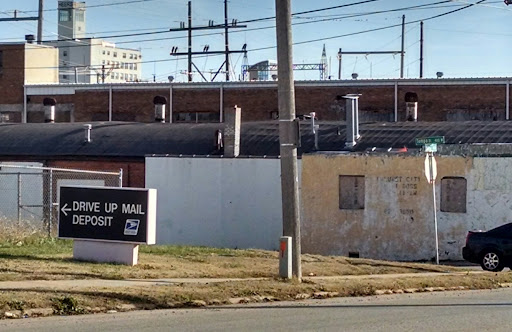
x,y
468,236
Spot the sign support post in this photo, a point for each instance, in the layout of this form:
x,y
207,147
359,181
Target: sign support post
x,y
430,146
432,180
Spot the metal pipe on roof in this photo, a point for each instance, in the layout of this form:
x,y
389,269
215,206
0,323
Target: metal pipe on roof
x,y
221,113
88,128
396,101
170,104
24,115
110,103
507,105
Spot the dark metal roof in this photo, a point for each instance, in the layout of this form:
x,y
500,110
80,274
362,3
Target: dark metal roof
x,y
122,139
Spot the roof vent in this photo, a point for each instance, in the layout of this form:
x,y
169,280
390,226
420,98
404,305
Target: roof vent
x,y
88,128
30,38
49,109
411,104
160,102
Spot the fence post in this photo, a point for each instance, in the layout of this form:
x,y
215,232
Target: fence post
x,y
19,198
50,218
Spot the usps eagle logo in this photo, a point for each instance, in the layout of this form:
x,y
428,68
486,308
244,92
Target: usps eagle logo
x,y
131,227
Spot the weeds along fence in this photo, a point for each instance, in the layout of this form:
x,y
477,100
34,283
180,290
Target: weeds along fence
x,y
29,195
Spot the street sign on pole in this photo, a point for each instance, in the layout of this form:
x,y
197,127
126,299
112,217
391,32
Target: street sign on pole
x,y
430,140
431,147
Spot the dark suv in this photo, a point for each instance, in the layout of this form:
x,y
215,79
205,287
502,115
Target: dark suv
x,y
491,249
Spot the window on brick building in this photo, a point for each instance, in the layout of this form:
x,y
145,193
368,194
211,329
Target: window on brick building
x,y
196,117
351,192
453,194
1,62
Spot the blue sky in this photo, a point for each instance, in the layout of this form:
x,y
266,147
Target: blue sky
x,y
474,42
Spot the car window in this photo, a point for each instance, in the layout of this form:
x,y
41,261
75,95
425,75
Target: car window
x,y
502,231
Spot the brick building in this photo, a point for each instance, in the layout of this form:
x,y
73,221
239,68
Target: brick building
x,y
20,64
381,100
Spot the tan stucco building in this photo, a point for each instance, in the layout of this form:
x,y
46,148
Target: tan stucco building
x,y
381,205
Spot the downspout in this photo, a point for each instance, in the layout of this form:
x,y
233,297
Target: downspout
x,y
170,104
24,115
110,103
396,101
507,107
221,106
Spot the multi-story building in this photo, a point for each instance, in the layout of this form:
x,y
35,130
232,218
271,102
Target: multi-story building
x,y
91,60
20,64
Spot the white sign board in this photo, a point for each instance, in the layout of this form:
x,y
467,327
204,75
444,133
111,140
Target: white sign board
x,y
430,168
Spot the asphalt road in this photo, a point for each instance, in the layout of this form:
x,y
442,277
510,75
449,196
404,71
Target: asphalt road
x,y
487,310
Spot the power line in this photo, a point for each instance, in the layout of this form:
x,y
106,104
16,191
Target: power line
x,y
261,28
95,6
324,38
311,11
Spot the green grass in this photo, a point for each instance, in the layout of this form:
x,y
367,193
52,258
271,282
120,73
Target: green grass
x,y
36,246
190,251
40,245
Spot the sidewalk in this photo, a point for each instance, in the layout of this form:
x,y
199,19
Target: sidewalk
x,y
100,283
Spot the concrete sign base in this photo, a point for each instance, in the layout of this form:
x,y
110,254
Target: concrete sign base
x,y
106,252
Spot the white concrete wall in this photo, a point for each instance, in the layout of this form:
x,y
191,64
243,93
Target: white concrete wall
x,y
489,204
233,203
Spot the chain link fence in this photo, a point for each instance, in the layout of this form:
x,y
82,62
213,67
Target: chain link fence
x,y
29,195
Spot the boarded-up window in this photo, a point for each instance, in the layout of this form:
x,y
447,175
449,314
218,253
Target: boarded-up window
x,y
351,192
453,194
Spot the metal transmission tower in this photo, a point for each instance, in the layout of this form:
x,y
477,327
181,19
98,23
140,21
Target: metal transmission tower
x,y
323,63
245,64
273,67
226,26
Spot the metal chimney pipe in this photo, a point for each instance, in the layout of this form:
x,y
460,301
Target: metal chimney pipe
x,y
233,117
88,128
160,103
49,109
411,104
352,119
314,128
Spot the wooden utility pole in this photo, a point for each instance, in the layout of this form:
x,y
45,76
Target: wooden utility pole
x,y
421,49
226,26
189,70
40,23
226,38
403,50
288,133
339,64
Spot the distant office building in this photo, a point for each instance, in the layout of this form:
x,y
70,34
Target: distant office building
x,y
263,71
91,60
